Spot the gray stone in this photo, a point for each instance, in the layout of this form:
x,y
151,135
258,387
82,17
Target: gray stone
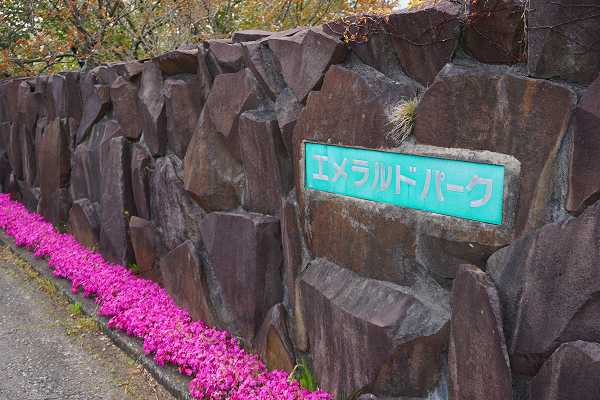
x,y
146,248
124,96
96,104
259,58
141,165
287,108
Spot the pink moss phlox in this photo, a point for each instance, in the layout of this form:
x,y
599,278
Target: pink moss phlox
x,y
219,366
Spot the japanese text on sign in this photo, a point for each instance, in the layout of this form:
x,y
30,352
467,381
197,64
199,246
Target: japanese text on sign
x,y
451,187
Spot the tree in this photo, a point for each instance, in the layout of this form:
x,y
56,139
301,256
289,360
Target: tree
x,y
43,36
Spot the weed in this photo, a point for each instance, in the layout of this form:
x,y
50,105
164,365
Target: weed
x,y
75,309
305,376
135,268
402,120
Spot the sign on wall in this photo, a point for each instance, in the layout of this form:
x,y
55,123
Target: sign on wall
x,y
456,188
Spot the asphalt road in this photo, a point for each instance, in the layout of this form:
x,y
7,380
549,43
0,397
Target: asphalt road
x,y
49,352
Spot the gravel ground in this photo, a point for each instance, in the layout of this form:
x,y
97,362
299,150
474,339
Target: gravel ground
x,y
49,351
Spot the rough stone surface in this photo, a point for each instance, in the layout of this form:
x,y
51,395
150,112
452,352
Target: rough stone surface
x,y
141,166
584,182
495,32
291,241
184,278
124,97
390,337
287,108
176,214
548,284
116,203
563,39
509,114
304,58
259,58
178,62
354,99
183,98
249,35
96,105
244,252
425,37
84,222
211,173
87,161
144,241
266,164
152,108
272,341
231,95
570,374
54,156
227,57
478,361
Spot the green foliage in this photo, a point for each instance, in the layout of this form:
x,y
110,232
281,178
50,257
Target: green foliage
x,y
304,375
75,309
46,36
402,120
135,268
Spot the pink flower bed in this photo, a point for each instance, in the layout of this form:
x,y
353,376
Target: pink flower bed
x,y
220,368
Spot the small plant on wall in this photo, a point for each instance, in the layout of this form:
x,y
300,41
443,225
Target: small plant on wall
x,y
402,120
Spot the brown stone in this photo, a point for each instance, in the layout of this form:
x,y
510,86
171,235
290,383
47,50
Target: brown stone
x,y
124,96
64,100
272,341
507,113
226,56
211,173
178,62
292,243
175,213
288,109
152,108
116,202
369,333
266,164
562,38
478,361
249,35
184,278
231,95
203,73
54,158
495,31
244,252
584,182
425,37
144,242
570,374
183,98
84,223
259,58
548,284
304,57
95,105
354,99
141,165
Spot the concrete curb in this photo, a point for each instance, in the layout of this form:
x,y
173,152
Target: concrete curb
x,y
167,376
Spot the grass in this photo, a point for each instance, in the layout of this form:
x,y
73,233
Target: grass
x,y
402,120
305,376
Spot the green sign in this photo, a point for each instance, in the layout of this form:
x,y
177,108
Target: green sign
x,y
451,187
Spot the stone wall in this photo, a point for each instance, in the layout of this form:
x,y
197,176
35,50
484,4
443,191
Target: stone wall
x,y
190,165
